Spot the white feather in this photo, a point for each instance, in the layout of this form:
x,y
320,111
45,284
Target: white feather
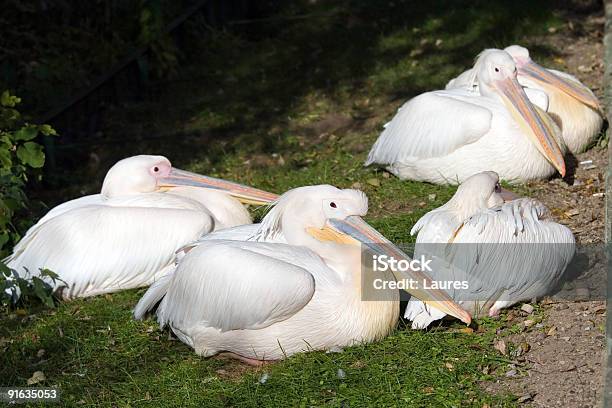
x,y
509,253
447,136
125,243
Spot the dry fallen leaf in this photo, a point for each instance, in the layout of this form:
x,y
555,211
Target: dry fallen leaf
x,y
500,346
37,377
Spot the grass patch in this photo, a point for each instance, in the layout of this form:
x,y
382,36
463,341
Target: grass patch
x,y
98,356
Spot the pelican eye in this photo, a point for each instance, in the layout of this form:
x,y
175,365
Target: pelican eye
x,y
496,69
156,169
333,205
497,188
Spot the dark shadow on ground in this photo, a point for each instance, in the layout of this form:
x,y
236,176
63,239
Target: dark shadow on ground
x,y
242,85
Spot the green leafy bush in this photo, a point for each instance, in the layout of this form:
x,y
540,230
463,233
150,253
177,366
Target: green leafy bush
x,y
20,157
14,288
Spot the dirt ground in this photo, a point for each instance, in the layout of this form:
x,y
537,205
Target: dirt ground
x,y
559,361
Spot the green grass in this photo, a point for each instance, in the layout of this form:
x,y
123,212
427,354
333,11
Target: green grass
x,y
99,356
280,105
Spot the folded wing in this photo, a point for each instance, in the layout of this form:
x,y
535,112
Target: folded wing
x,y
433,124
101,248
232,285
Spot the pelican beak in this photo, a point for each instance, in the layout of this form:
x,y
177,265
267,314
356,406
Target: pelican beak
x,y
245,194
355,230
508,195
534,123
550,80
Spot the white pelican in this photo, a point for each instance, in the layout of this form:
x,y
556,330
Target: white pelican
x,y
126,236
570,103
507,252
446,136
294,284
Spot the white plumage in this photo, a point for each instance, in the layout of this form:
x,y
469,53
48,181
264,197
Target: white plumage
x,y
446,136
126,236
571,104
507,251
287,285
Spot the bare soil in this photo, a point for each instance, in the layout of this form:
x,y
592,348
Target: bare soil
x,y
559,361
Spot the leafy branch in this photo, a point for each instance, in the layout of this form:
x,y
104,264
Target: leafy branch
x,y
20,158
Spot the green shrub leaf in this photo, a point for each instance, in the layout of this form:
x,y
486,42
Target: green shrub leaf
x,y
31,153
26,133
5,158
20,157
47,130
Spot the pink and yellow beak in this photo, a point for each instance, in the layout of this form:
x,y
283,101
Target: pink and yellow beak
x,y
354,230
244,194
534,122
553,82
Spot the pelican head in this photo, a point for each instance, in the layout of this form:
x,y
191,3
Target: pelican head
x,y
317,216
147,174
479,192
310,207
497,77
551,82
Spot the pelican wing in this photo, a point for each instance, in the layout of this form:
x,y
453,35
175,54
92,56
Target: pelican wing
x,y
508,254
538,97
247,232
433,124
232,285
520,252
104,248
95,199
465,80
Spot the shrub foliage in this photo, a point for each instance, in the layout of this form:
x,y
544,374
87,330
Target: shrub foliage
x,y
21,157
